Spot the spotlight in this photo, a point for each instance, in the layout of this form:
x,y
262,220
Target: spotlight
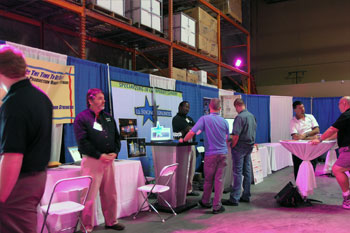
x,y
238,62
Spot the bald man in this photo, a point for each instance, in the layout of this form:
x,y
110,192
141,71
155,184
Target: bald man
x,y
341,130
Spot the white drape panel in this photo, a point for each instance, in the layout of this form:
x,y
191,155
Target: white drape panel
x,y
40,54
57,58
281,112
162,82
225,92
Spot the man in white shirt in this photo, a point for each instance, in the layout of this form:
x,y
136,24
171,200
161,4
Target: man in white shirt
x,y
302,127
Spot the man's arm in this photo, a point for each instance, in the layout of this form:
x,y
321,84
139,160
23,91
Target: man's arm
x,y
234,139
189,136
330,133
10,167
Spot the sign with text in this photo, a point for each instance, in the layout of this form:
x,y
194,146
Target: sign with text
x,y
57,81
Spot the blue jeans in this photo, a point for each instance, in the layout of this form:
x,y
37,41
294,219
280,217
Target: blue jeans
x,y
214,171
241,165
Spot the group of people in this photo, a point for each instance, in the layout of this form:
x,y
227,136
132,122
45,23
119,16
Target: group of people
x,y
217,135
25,146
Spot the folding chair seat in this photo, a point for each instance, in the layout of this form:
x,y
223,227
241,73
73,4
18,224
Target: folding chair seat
x,y
80,183
167,172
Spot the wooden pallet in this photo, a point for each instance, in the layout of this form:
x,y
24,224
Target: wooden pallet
x,y
109,13
203,52
151,30
183,44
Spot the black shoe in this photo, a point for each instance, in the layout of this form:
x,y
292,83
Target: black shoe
x,y
117,227
193,194
208,206
244,200
218,211
229,202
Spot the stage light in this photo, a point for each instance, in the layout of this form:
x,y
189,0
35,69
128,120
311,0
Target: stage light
x,y
238,62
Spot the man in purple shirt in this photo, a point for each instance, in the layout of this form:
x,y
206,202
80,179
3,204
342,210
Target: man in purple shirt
x,y
216,133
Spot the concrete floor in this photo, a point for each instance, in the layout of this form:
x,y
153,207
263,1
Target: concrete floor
x,y
261,215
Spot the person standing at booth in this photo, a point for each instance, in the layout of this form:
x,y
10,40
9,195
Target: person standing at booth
x,y
302,127
341,130
25,144
216,134
99,143
243,139
182,124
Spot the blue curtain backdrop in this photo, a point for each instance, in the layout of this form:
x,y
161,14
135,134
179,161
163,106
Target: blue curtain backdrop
x,y
307,103
326,111
259,106
118,74
87,75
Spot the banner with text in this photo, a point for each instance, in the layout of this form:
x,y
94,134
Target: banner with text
x,y
136,102
57,81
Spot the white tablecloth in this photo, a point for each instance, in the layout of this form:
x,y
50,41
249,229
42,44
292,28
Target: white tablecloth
x,y
129,176
265,160
279,156
306,180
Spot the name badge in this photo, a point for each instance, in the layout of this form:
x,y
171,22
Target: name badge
x,y
97,126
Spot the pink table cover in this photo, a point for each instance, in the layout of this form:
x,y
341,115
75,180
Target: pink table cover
x,y
129,176
306,180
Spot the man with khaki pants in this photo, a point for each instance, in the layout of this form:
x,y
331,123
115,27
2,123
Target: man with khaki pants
x,y
99,142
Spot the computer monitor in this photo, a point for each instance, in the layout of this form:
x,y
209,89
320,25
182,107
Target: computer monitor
x,y
160,133
230,124
136,147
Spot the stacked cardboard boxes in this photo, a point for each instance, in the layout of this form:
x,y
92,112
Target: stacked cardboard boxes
x,y
231,7
145,12
177,73
206,30
184,28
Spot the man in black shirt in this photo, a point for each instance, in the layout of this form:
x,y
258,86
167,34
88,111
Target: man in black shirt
x,y
25,144
99,143
181,126
341,129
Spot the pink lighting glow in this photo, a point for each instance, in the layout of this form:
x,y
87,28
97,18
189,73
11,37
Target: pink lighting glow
x,y
238,62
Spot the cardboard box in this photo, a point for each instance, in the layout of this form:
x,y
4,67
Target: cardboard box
x,y
177,73
145,12
231,7
202,17
184,28
202,76
192,77
213,49
115,6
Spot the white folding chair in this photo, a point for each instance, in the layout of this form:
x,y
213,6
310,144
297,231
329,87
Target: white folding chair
x,y
80,183
167,172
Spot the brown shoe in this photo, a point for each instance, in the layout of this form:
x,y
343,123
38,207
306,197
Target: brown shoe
x,y
117,227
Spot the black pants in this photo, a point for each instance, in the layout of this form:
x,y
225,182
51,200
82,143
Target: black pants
x,y
297,162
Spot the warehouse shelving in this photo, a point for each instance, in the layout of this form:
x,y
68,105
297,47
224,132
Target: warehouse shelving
x,y
73,18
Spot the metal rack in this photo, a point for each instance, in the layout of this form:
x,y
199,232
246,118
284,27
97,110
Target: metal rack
x,y
73,18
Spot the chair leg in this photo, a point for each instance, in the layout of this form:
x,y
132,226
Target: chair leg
x,y
44,222
155,210
168,204
141,207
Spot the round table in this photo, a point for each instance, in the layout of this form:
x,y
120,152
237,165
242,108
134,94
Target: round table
x,y
303,149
